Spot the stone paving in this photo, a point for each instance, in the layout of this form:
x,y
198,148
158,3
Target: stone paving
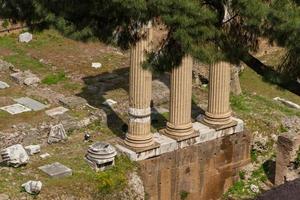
x,y
31,103
56,170
15,109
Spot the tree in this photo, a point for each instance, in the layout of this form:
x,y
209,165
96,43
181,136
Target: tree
x,y
209,30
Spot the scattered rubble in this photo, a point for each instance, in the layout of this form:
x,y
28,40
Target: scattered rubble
x,y
32,187
25,37
3,85
33,149
291,123
56,170
57,134
15,155
260,142
100,156
26,78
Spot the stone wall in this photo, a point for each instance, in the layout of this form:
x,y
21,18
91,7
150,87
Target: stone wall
x,y
203,171
287,149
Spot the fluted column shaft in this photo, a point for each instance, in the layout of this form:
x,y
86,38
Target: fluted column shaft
x,y
181,99
219,112
139,134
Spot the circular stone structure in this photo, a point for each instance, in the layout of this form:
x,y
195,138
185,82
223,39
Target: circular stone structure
x,y
100,156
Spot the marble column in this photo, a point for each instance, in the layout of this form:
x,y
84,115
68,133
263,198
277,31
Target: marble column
x,y
180,123
140,80
218,111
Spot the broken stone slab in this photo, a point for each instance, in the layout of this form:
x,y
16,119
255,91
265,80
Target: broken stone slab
x,y
100,156
33,149
33,187
15,109
31,81
287,103
3,85
57,134
26,78
15,155
31,103
56,111
73,101
45,155
96,65
56,170
25,37
109,102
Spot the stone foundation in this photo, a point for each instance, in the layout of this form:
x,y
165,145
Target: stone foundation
x,y
202,171
201,167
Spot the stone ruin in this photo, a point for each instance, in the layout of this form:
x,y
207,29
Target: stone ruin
x,y
288,145
26,78
100,156
15,155
57,134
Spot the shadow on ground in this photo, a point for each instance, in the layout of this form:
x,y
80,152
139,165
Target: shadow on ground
x,y
95,92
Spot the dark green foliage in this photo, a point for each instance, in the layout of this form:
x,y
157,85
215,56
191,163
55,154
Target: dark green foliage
x,y
209,30
184,195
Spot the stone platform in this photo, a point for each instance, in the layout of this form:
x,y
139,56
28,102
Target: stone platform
x,y
167,144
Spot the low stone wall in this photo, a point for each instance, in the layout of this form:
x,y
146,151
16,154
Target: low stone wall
x,y
202,172
11,28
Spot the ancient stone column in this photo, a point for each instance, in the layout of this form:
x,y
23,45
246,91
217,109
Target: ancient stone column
x,y
139,135
180,124
219,112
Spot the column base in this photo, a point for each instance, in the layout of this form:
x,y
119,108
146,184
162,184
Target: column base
x,y
139,142
218,126
217,120
179,133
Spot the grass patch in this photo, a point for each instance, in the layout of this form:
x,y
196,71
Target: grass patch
x,y
71,86
115,178
251,82
3,113
241,189
24,62
55,78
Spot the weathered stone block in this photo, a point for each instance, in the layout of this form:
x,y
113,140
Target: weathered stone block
x,y
56,170
31,103
287,148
